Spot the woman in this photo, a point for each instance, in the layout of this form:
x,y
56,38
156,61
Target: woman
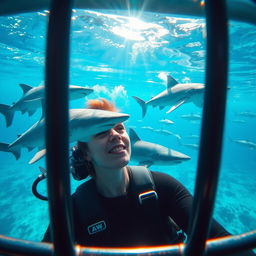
x,y
105,211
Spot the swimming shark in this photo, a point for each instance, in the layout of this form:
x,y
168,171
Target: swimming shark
x,y
191,145
247,143
175,95
83,123
192,117
32,99
247,114
147,153
166,121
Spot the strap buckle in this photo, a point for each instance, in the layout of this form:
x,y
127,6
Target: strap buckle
x,y
151,194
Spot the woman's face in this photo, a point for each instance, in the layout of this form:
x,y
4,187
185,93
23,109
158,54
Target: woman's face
x,y
110,149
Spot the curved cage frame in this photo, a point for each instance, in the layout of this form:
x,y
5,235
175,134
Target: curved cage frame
x,y
57,69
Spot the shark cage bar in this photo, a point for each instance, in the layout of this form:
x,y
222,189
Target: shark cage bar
x,y
57,70
212,126
57,126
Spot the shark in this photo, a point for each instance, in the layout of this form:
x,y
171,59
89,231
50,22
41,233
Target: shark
x,y
247,143
191,145
192,117
147,153
83,123
32,99
175,95
166,121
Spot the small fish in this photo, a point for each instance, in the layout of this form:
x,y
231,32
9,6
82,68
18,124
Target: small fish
x,y
193,136
147,128
247,114
246,143
190,145
192,117
166,132
239,121
166,121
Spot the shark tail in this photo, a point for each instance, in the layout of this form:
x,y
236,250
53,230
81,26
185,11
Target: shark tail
x,y
5,148
142,104
8,113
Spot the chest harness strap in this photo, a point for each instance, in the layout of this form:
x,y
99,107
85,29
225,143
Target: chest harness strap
x,y
143,187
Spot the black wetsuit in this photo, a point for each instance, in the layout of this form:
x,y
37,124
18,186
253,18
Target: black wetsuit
x,y
124,225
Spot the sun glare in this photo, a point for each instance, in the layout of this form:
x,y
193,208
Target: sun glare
x,y
131,30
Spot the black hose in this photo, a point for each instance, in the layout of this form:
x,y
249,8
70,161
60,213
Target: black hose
x,y
34,187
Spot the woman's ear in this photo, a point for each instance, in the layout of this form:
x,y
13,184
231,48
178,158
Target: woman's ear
x,y
87,156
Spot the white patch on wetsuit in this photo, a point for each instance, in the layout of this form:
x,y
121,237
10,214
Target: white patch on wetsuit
x,y
96,227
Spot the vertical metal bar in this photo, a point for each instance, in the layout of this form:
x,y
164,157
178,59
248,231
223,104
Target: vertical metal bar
x,y
212,126
57,125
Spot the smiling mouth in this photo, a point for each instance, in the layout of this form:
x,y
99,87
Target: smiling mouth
x,y
117,149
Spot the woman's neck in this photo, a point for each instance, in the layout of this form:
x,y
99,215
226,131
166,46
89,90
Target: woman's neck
x,y
113,183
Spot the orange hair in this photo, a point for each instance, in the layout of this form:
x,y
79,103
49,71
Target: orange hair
x,y
102,104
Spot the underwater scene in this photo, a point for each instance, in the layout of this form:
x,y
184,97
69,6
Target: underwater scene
x,y
130,60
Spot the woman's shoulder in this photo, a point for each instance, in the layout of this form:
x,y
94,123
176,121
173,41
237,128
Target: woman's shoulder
x,y
166,182
163,177
85,187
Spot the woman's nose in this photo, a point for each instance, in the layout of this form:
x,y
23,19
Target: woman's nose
x,y
114,134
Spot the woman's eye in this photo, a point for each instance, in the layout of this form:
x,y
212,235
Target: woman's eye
x,y
101,134
120,128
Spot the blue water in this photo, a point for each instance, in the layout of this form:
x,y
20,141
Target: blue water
x,y
120,57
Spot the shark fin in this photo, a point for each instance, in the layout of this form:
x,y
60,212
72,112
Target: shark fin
x,y
38,156
176,106
30,148
198,102
142,104
16,153
146,163
31,101
5,148
8,113
133,136
43,171
171,81
31,112
25,88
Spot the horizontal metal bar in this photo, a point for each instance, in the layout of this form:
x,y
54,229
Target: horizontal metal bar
x,y
214,247
18,247
237,10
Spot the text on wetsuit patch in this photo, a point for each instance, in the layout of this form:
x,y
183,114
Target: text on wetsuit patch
x,y
96,227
